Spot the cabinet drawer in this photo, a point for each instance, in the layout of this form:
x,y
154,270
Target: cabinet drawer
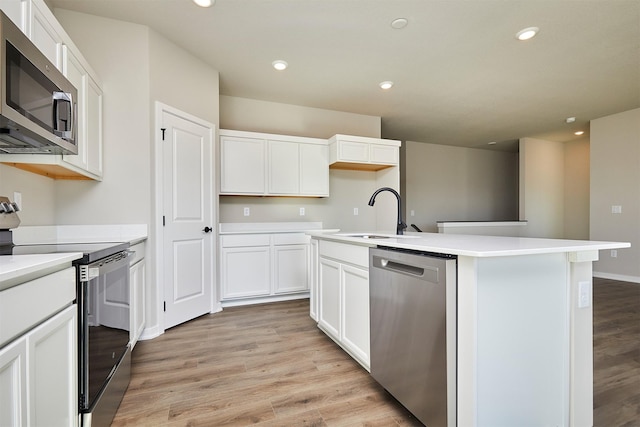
x,y
352,254
241,240
290,239
24,306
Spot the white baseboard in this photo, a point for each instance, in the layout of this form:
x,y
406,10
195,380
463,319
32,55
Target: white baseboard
x,y
150,333
263,300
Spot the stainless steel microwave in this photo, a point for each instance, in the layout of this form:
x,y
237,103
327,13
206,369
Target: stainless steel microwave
x,y
38,104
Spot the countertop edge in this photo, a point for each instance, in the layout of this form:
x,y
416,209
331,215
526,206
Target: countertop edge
x,y
16,269
476,246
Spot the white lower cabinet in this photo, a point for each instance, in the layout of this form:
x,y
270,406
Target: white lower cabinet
x,y
137,284
38,375
246,272
263,267
314,272
343,297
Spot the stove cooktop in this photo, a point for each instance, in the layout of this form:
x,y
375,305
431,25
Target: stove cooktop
x,y
92,251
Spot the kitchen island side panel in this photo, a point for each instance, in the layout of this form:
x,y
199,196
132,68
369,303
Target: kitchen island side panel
x,y
523,355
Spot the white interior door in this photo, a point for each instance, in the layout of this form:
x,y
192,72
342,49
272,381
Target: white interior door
x,y
187,150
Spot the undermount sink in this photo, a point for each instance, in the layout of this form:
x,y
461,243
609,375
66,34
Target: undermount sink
x,y
377,236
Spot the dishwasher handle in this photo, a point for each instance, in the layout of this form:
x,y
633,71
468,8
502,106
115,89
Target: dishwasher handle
x,y
386,264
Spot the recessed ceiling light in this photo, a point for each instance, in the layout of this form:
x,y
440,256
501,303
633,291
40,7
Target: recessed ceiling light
x,y
386,85
280,65
527,33
580,132
399,23
570,119
492,143
204,3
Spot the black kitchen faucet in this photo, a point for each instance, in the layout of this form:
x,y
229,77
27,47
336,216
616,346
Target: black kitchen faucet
x,y
400,225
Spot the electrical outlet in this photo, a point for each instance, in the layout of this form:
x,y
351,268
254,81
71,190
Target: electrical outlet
x,y
247,211
616,209
413,213
614,253
584,294
355,211
17,198
301,211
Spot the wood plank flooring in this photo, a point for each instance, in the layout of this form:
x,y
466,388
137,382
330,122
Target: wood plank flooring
x,y
616,353
269,365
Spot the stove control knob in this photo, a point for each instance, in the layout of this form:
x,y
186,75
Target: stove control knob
x,y
5,207
15,207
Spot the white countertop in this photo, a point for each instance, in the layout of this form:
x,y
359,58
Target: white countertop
x,y
15,269
472,245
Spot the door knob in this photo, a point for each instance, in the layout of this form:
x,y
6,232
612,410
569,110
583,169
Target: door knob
x,y
207,229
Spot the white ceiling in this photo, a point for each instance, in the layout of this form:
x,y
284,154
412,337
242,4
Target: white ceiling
x,y
461,77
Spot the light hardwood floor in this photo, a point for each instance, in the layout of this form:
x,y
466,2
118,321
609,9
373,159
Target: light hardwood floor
x,y
269,365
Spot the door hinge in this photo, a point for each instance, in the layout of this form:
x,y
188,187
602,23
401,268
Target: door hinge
x,y
164,303
163,130
163,222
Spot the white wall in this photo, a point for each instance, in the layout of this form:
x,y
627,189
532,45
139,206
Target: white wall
x,y
349,189
615,180
542,187
38,198
443,183
576,189
272,117
123,196
137,67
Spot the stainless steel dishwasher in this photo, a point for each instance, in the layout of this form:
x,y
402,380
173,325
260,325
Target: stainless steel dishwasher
x,y
413,331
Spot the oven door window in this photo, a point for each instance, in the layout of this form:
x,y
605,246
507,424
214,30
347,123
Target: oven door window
x,y
108,326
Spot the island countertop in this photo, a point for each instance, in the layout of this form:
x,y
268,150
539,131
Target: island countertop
x,y
469,245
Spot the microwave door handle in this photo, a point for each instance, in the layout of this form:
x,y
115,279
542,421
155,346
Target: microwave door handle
x,y
62,100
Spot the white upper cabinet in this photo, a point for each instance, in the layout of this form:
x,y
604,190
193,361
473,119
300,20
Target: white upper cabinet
x,y
46,33
242,165
259,164
40,25
284,167
363,153
88,161
314,169
19,12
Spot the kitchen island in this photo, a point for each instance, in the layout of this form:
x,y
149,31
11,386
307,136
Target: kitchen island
x,y
523,322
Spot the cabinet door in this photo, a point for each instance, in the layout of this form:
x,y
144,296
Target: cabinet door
x,y
314,170
351,151
384,154
53,354
137,282
44,34
18,12
242,165
313,279
329,297
13,384
245,272
284,167
291,269
355,312
94,128
76,74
